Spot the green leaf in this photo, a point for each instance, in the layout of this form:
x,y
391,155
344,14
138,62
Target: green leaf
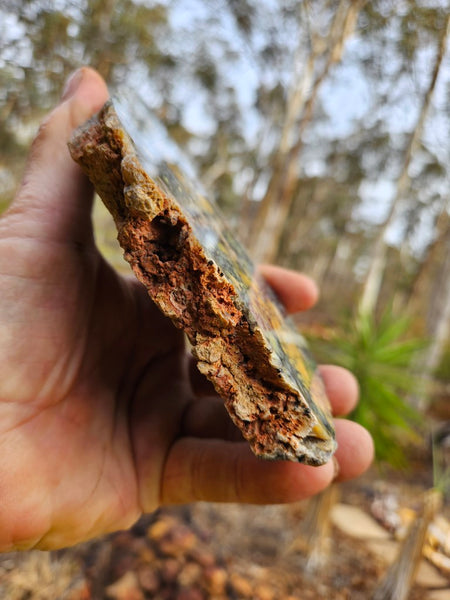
x,y
381,355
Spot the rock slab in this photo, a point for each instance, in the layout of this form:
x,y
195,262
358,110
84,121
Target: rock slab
x,y
198,275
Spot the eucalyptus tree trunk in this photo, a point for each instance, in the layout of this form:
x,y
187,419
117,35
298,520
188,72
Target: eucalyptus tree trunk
x,y
297,95
312,540
374,277
102,12
276,204
399,578
429,266
438,313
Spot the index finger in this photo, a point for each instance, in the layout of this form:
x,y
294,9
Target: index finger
x,y
295,291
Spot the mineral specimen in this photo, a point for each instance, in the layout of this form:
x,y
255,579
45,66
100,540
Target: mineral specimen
x,y
199,275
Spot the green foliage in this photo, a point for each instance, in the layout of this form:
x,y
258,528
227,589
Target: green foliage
x,y
381,356
443,370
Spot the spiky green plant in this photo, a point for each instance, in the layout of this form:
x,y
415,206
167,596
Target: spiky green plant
x,y
380,354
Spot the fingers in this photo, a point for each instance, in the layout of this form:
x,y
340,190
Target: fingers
x,y
55,198
219,471
222,471
355,450
206,416
341,387
296,292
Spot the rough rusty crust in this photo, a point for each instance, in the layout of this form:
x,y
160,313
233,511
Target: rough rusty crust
x,y
167,258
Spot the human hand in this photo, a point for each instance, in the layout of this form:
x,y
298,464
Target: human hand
x,y
102,417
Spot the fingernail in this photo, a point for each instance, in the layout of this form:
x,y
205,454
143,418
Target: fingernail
x,y
72,84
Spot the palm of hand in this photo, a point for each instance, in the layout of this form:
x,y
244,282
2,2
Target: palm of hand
x,y
76,381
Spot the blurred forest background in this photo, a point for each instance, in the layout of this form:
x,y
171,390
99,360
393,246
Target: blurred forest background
x,y
323,131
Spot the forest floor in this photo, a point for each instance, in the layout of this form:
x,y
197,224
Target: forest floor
x,y
209,551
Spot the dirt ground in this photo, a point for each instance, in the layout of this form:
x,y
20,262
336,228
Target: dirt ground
x,y
219,552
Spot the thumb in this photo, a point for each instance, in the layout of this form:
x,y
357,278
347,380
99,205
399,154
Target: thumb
x,y
55,199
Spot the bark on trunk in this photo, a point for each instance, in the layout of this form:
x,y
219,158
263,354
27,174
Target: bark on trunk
x,y
276,204
430,302
438,317
313,538
398,580
374,277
